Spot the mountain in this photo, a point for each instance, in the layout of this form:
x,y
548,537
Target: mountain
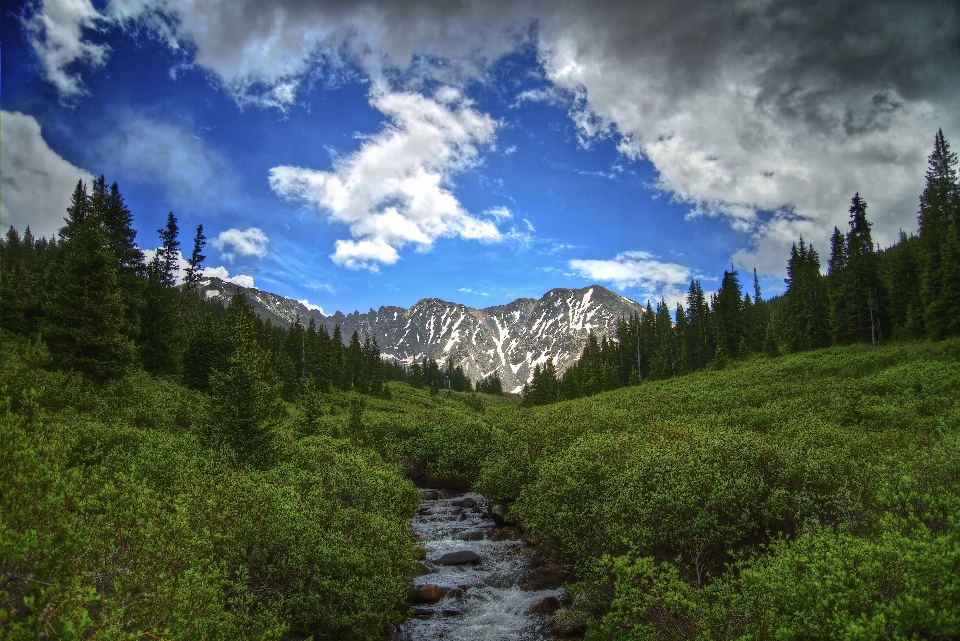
x,y
511,339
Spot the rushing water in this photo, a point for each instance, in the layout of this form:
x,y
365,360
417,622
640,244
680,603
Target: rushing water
x,y
489,600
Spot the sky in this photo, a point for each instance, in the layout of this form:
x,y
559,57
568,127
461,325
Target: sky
x,y
351,155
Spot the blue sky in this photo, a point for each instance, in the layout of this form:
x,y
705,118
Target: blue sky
x,y
355,155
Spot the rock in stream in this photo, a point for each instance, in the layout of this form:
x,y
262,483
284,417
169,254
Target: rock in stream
x,y
479,581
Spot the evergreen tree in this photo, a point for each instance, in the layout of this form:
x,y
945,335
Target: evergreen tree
x,y
491,384
899,268
806,311
243,400
728,314
939,211
165,262
855,288
700,340
543,388
194,272
160,332
84,315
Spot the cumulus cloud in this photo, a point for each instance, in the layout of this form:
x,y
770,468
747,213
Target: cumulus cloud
x,y
310,306
221,272
395,190
36,181
768,114
165,153
209,272
261,51
762,107
248,242
638,270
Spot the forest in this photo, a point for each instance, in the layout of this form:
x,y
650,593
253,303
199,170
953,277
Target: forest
x,y
175,468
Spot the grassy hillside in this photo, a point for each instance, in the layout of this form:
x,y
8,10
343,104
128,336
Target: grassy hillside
x,y
807,496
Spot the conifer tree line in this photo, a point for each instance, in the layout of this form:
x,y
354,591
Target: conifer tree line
x,y
868,295
102,309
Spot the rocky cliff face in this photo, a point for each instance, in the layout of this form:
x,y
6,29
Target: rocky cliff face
x,y
511,339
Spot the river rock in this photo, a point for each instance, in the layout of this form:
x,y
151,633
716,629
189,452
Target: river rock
x,y
467,502
423,612
431,496
451,612
544,577
469,535
546,605
458,558
568,623
430,593
498,514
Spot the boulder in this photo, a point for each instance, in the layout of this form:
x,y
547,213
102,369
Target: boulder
x,y
430,593
467,502
498,514
423,612
430,495
469,535
568,623
451,612
458,558
546,605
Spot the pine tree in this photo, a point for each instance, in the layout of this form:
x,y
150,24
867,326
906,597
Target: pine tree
x,y
700,344
243,401
939,211
728,313
806,310
194,272
855,289
166,265
160,332
84,315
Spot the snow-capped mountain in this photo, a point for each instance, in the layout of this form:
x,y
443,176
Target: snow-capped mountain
x,y
511,339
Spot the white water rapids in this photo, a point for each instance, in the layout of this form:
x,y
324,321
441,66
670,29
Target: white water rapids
x,y
488,600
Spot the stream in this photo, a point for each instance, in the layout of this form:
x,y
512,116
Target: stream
x,y
479,581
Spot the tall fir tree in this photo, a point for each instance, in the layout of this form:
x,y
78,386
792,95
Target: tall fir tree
x,y
84,322
194,269
857,296
806,311
939,212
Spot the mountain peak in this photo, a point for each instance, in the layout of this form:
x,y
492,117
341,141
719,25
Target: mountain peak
x,y
511,339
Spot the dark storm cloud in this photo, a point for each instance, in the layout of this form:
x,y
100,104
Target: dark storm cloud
x,y
787,107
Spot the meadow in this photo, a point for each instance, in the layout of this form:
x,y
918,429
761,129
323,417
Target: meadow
x,y
814,495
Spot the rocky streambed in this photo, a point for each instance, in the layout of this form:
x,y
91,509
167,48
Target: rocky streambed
x,y
480,579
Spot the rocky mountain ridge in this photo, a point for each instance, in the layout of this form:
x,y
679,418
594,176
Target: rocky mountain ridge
x,y
511,339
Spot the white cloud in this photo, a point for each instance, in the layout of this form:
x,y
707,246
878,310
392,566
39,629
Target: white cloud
x,y
741,108
36,182
221,272
160,152
499,213
638,270
209,272
260,51
530,226
512,149
56,34
395,190
741,113
249,242
319,286
467,290
310,306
